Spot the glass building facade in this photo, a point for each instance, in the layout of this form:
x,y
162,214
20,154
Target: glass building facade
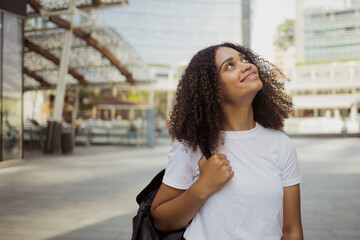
x,y
171,32
11,82
332,31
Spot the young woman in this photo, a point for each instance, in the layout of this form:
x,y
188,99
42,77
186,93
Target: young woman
x,y
232,102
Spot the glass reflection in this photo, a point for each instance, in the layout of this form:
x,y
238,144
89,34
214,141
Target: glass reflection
x,y
12,87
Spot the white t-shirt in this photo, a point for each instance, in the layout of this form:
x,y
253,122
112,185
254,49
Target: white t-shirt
x,y
250,205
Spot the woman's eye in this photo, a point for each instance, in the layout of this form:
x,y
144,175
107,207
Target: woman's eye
x,y
230,65
244,60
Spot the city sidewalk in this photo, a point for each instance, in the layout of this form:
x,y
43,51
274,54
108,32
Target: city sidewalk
x,y
90,194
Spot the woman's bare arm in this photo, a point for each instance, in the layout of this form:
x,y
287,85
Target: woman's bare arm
x,y
174,208
292,229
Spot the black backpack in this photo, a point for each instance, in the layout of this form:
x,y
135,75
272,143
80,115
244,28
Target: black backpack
x,y
143,222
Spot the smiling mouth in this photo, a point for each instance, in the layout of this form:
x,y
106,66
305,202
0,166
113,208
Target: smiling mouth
x,y
248,77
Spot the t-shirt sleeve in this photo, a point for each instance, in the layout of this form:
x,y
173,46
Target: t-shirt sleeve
x,y
289,164
179,172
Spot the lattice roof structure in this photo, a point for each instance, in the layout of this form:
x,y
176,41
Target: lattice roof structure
x,y
99,55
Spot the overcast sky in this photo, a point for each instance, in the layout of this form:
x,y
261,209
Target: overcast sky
x,y
267,15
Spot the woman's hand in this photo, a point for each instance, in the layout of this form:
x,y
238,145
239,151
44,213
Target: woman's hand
x,y
214,173
174,208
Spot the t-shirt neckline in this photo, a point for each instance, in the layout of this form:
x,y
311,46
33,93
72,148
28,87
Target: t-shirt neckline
x,y
241,134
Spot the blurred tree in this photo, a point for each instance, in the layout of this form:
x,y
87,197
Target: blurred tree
x,y
285,35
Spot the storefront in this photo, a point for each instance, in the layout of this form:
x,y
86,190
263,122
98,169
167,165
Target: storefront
x,y
11,80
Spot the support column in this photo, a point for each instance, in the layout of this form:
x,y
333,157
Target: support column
x,y
76,106
93,113
296,115
245,21
151,135
151,99
150,121
169,104
332,75
64,67
114,92
354,112
352,73
97,90
352,79
313,75
316,112
112,113
131,114
73,117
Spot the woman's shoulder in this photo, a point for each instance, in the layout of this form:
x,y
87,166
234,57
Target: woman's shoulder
x,y
274,135
271,131
182,166
180,149
179,146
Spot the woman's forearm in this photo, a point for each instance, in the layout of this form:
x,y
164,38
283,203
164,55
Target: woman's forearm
x,y
178,212
293,236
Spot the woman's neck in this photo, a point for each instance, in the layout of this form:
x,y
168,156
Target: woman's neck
x,y
238,118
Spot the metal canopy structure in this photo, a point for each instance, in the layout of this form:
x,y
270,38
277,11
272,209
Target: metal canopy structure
x,y
57,5
98,54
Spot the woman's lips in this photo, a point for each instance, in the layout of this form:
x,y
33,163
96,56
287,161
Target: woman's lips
x,y
251,77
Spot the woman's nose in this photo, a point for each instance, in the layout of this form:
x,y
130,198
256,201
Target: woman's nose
x,y
245,66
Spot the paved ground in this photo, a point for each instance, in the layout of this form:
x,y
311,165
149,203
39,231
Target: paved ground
x,y
90,194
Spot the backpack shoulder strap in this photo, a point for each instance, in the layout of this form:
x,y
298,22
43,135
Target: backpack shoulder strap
x,y
153,185
207,153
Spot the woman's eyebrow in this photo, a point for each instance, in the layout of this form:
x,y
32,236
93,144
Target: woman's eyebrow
x,y
226,60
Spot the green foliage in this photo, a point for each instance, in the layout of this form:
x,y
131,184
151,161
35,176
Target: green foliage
x,y
89,94
135,97
285,35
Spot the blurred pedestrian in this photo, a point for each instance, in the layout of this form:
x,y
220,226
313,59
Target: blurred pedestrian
x,y
230,101
344,130
79,125
12,136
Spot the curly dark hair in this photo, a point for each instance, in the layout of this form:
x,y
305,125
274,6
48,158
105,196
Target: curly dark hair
x,y
197,116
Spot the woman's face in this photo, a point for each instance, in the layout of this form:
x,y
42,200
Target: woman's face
x,y
239,79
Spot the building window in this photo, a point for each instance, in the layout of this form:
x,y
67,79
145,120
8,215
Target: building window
x,y
344,12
